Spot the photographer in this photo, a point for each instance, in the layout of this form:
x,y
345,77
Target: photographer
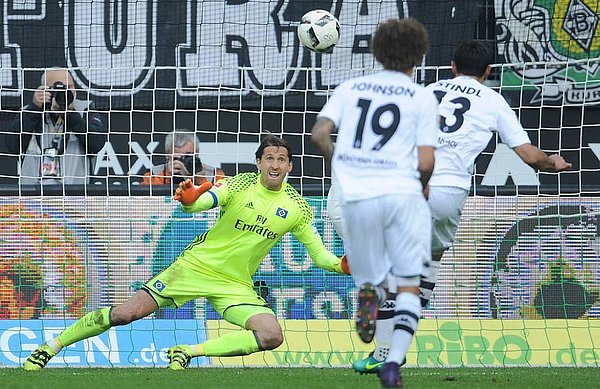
x,y
182,161
56,133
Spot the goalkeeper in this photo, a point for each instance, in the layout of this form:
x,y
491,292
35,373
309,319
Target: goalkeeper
x,y
257,209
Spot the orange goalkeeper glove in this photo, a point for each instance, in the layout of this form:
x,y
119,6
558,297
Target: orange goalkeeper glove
x,y
344,264
187,193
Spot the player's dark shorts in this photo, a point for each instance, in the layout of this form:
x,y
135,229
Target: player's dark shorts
x,y
180,283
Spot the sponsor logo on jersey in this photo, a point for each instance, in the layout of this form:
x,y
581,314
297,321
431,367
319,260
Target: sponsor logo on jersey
x,y
250,205
282,213
158,285
255,228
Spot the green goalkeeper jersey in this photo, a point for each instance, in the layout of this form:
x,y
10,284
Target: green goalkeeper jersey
x,y
251,221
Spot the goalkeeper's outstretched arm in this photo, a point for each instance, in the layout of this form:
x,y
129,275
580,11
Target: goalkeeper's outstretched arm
x,y
322,257
194,198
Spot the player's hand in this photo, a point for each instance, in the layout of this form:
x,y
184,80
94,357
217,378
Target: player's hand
x,y
187,193
426,192
344,265
559,163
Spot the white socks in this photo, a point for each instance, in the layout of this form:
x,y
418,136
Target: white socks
x,y
385,327
428,282
406,320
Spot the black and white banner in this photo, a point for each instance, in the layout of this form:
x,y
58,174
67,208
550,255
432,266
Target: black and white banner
x,y
179,51
234,69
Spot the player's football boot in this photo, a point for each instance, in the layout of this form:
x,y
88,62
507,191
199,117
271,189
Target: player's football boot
x,y
390,376
179,357
366,314
369,365
39,358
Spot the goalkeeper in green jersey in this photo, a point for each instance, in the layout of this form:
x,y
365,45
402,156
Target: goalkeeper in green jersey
x,y
257,209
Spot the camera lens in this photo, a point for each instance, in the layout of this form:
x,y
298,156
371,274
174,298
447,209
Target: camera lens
x,y
61,94
192,164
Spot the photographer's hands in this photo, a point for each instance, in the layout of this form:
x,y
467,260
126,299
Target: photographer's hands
x,y
41,97
179,169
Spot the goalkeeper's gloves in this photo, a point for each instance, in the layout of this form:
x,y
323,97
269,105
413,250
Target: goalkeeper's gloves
x,y
344,265
187,193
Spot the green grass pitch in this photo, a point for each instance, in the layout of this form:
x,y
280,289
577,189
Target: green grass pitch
x,y
288,378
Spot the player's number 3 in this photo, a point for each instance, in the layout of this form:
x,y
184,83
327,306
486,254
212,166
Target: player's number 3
x,y
463,106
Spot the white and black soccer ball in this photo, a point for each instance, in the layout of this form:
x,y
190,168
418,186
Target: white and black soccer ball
x,y
319,30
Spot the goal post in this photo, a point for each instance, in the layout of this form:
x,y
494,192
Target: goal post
x,y
520,287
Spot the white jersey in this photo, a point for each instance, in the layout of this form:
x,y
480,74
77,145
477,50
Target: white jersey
x,y
381,119
470,112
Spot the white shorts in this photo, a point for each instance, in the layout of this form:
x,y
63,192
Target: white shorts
x,y
334,209
446,205
388,234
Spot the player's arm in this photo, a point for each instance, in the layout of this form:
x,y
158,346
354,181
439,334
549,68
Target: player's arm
x,y
328,119
426,163
198,198
514,136
322,257
427,136
538,159
321,137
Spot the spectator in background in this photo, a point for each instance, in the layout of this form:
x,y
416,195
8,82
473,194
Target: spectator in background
x,y
182,149
56,133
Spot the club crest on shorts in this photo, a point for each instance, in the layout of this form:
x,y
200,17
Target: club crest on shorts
x,y
282,213
158,285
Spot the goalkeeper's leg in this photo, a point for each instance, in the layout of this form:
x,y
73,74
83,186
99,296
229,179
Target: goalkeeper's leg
x,y
261,332
92,324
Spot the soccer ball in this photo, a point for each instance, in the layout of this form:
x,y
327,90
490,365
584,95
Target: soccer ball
x,y
319,30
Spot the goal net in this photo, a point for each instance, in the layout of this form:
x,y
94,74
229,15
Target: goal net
x,y
520,286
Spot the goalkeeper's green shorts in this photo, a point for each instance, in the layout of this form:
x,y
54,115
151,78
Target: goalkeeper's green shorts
x,y
178,284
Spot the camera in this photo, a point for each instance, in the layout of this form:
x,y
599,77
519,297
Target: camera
x,y
192,163
61,94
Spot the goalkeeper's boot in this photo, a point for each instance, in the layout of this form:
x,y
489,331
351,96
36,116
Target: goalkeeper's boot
x,y
179,357
390,376
366,315
39,358
369,365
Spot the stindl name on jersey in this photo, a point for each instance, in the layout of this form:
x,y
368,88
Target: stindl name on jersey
x,y
468,90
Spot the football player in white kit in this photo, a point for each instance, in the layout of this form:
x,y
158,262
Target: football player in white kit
x,y
470,113
384,155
